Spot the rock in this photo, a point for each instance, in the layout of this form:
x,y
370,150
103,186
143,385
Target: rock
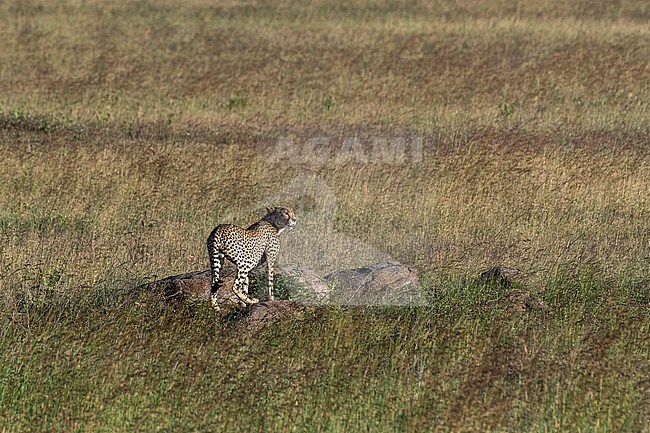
x,y
178,287
509,280
502,275
383,283
309,287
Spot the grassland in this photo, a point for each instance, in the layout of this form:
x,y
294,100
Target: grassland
x,y
128,130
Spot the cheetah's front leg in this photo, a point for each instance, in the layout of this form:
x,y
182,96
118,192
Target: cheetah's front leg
x,y
270,264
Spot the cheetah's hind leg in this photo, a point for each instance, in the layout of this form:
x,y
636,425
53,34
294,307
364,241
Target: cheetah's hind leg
x,y
240,288
216,263
214,294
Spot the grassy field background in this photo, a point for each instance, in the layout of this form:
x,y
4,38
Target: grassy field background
x,y
128,130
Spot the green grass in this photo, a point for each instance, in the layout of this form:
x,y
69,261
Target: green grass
x,y
115,362
127,131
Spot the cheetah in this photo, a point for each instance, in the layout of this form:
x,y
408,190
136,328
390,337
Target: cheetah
x,y
246,248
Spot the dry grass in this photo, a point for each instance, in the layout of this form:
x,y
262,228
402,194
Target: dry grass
x,y
535,201
127,131
439,66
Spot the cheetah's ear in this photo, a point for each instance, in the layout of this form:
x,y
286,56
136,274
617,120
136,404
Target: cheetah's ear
x,y
269,209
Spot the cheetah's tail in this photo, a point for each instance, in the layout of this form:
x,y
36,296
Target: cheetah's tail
x,y
216,262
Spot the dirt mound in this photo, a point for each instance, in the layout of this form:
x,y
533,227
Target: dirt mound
x,y
259,315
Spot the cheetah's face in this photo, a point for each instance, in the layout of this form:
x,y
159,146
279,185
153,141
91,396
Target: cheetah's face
x,y
281,217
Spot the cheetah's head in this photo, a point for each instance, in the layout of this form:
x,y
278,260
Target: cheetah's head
x,y
280,217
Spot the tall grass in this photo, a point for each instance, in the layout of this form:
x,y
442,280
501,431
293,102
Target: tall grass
x,y
539,202
127,131
112,362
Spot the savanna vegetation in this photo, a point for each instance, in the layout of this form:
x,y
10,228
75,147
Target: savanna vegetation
x,y
128,129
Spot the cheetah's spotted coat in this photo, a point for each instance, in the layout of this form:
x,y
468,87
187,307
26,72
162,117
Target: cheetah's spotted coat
x,y
246,248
